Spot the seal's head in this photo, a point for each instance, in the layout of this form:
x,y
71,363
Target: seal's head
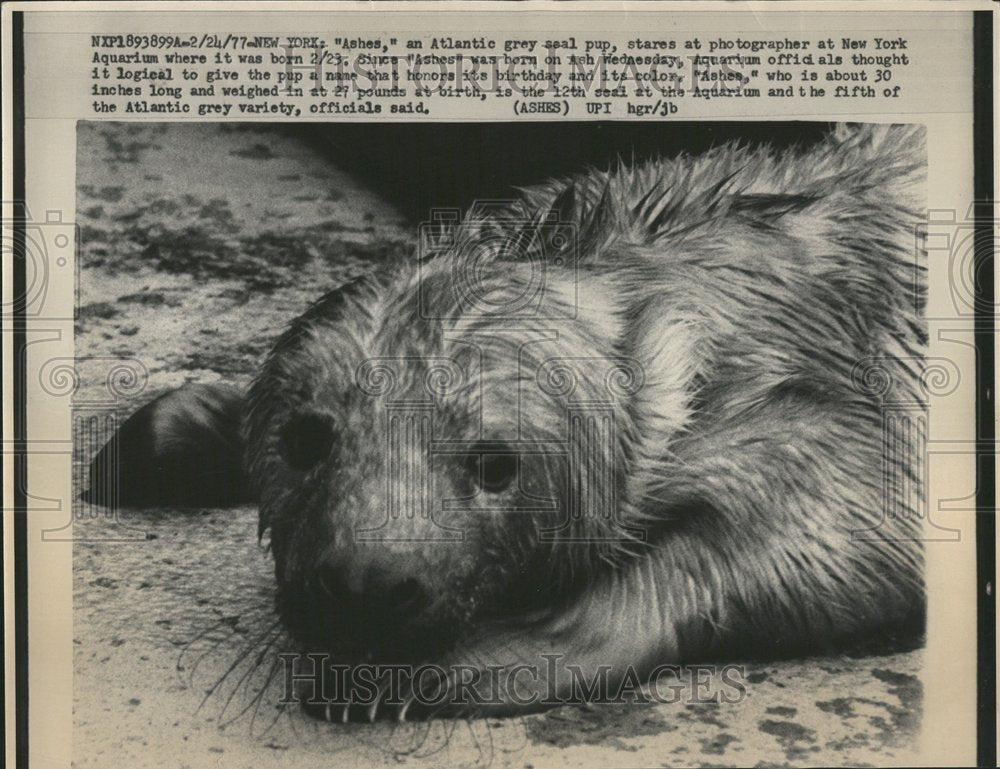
x,y
423,441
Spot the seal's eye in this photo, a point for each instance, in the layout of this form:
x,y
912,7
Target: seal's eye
x,y
306,440
491,466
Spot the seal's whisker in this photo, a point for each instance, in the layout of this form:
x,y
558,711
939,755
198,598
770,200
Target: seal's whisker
x,y
470,725
219,643
489,731
270,635
448,685
275,634
421,733
522,725
258,699
447,728
228,622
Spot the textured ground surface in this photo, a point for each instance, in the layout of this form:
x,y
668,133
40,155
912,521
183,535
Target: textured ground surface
x,y
198,244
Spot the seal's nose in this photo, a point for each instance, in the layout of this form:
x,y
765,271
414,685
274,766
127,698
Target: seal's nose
x,y
375,593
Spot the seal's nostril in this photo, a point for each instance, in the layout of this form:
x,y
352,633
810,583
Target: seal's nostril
x,y
336,582
306,440
407,595
392,595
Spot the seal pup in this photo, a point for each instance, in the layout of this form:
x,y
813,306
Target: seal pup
x,y
623,421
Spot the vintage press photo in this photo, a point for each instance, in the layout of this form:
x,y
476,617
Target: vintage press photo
x,y
456,438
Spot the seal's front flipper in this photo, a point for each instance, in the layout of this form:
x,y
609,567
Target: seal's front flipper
x,y
183,449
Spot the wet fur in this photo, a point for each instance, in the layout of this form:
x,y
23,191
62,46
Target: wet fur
x,y
724,311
